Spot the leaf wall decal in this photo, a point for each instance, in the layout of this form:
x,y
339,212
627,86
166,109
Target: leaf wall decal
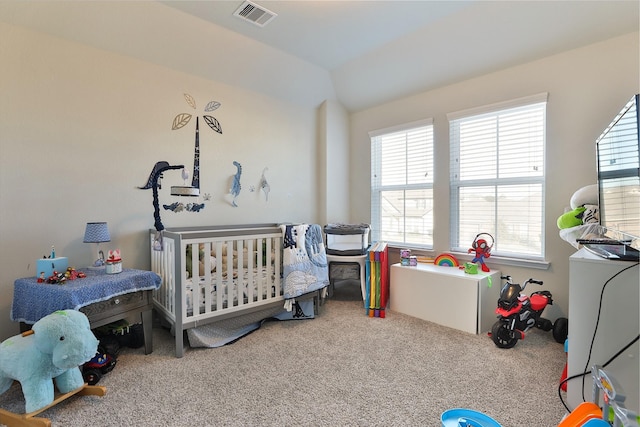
x,y
213,123
180,120
211,106
190,100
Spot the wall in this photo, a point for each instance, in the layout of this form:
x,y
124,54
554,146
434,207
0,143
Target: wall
x,y
81,129
333,163
587,87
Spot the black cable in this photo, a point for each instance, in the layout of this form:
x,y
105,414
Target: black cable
x,y
604,365
595,330
586,368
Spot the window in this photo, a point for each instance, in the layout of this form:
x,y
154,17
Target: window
x,y
402,184
497,176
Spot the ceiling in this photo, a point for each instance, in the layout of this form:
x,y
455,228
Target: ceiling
x,y
359,53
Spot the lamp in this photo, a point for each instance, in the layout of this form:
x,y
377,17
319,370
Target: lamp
x,y
97,232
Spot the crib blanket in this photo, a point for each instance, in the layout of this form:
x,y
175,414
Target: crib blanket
x,y
230,330
304,260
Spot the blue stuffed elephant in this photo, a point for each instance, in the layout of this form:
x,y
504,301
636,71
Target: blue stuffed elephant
x,y
55,348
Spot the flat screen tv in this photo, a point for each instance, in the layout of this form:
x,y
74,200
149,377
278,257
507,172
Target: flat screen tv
x,y
618,166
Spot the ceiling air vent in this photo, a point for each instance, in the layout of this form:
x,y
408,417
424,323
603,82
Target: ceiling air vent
x,y
255,14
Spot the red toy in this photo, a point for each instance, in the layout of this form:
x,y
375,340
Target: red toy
x,y
102,363
73,274
482,249
517,313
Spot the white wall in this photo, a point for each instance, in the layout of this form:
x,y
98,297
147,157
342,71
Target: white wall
x,y
587,87
81,128
333,159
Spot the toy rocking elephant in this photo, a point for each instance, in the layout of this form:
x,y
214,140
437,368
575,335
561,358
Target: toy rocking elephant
x,y
54,349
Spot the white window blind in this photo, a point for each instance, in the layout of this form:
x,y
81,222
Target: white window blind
x,y
402,184
497,176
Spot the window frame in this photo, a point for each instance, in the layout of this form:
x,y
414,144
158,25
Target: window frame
x,y
456,183
377,188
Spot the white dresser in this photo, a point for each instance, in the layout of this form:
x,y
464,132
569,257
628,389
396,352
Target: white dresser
x,y
619,323
446,295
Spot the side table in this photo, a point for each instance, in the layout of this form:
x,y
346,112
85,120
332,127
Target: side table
x,y
104,298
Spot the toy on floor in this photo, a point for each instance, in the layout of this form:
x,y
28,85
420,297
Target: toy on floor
x,y
459,417
517,313
102,363
54,349
612,413
482,249
587,414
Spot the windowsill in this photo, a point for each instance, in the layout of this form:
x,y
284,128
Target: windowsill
x,y
494,259
512,262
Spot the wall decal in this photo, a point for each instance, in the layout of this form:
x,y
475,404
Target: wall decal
x,y
155,169
235,185
264,185
156,173
180,121
190,100
154,180
180,207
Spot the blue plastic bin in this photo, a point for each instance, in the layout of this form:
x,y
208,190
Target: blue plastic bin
x,y
466,418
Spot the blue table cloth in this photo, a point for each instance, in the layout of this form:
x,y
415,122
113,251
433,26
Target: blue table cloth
x,y
32,300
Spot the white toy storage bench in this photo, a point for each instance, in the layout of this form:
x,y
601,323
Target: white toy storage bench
x,y
446,295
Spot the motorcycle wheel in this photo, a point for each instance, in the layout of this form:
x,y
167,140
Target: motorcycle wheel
x,y
560,329
502,336
544,324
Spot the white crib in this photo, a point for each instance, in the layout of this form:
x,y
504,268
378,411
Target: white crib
x,y
234,270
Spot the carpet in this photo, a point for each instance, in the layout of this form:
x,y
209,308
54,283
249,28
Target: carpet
x,y
340,369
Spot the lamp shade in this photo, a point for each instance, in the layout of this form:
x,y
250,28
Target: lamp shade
x,y
96,232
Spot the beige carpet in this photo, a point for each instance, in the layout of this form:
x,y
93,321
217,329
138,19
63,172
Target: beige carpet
x,y
339,369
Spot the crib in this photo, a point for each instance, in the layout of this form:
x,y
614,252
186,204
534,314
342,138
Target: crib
x,y
215,273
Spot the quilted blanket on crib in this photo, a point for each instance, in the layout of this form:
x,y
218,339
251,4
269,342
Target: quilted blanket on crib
x,y
304,260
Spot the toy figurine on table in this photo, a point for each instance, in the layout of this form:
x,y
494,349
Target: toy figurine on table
x,y
482,250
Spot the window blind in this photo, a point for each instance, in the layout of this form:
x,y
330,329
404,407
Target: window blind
x,y
497,176
402,184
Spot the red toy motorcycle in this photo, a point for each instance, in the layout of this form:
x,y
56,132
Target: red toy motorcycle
x,y
517,313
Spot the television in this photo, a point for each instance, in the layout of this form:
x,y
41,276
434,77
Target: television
x,y
618,167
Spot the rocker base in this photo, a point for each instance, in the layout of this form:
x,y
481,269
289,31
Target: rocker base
x,y
11,419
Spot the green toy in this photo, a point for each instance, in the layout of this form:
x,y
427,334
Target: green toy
x,y
470,268
54,349
571,219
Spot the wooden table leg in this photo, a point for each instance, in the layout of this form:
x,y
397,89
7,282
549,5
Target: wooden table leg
x,y
147,328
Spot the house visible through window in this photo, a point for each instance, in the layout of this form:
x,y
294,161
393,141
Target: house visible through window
x,y
402,184
498,176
